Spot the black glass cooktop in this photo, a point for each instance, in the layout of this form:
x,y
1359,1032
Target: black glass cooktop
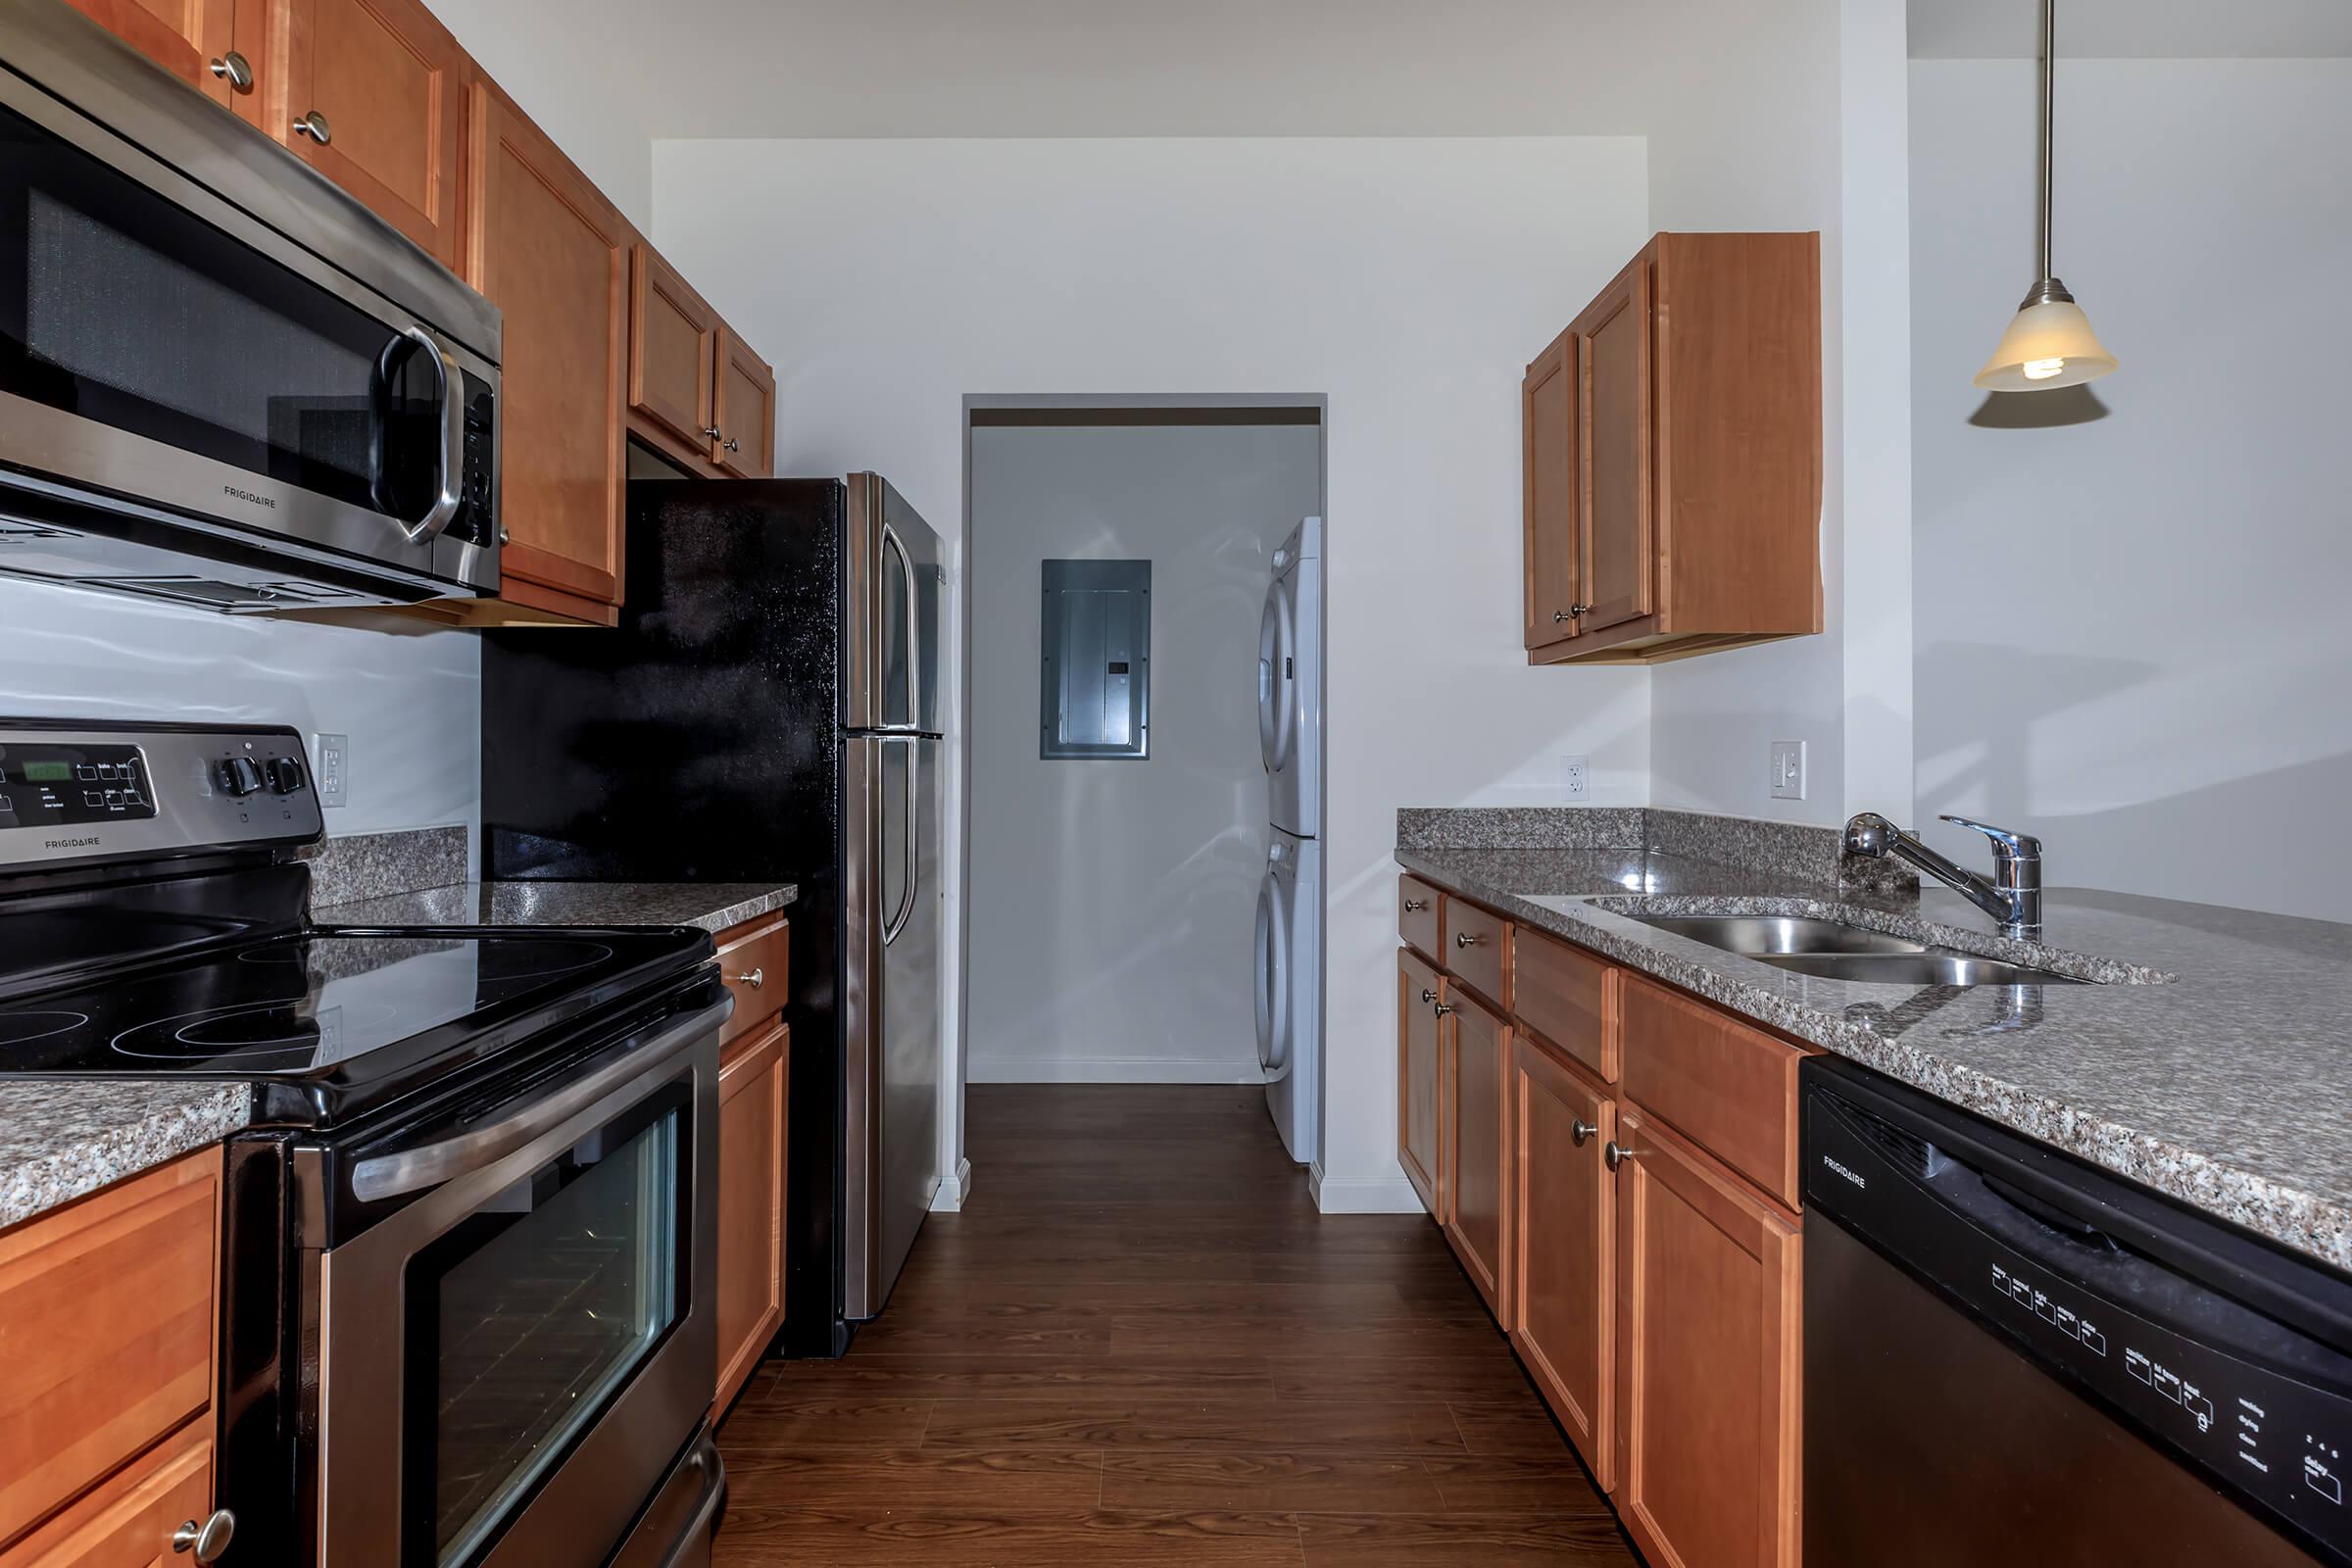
x,y
328,1024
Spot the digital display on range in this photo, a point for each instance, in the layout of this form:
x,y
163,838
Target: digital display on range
x,y
46,773
49,786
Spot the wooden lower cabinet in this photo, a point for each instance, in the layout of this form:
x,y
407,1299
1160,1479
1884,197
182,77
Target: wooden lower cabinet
x,y
1708,1360
129,1521
1563,1228
1421,1080
750,1295
1478,1219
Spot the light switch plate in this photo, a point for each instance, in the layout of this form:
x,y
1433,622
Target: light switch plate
x,y
1576,777
1787,770
334,769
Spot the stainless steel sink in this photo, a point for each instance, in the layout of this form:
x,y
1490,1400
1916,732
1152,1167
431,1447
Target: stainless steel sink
x,y
1834,950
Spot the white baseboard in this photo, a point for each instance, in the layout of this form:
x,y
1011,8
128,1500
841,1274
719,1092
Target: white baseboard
x,y
1363,1195
1112,1070
954,1191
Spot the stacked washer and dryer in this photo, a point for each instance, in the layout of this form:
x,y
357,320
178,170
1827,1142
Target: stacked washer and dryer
x,y
1290,902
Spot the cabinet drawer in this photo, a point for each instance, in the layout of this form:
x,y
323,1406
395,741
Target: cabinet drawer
x,y
1478,952
754,961
129,1520
1560,993
1727,1088
1417,910
106,1332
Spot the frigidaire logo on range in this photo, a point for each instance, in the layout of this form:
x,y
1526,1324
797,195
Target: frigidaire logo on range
x,y
246,495
89,843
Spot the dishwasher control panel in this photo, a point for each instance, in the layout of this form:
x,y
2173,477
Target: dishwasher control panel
x,y
2253,1402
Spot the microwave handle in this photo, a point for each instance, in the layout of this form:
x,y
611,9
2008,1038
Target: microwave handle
x,y
447,491
412,1170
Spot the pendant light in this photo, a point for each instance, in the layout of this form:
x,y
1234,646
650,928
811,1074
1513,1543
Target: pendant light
x,y
2050,343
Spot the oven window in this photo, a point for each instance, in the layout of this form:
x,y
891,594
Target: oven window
x,y
528,1319
121,307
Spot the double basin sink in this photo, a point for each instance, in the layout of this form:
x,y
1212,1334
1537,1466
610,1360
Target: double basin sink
x,y
1834,950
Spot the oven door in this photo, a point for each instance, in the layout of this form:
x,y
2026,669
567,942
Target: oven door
x,y
510,1362
161,349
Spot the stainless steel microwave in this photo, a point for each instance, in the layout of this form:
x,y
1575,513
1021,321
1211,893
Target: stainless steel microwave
x,y
222,380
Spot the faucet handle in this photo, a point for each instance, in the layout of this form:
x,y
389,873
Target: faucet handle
x,y
2023,846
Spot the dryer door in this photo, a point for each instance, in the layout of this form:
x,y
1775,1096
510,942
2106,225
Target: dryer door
x,y
1276,678
1273,987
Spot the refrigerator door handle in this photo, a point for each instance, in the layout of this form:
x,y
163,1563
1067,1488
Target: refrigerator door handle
x,y
896,547
910,841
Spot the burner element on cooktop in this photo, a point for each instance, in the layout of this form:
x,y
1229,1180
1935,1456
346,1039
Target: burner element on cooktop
x,y
253,1030
22,1028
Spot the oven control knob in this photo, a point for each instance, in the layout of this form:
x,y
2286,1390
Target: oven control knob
x,y
285,774
240,775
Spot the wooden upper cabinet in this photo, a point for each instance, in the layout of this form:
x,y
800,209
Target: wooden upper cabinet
x,y
1692,506
673,352
745,411
1421,1079
1565,1235
375,98
552,255
1548,427
183,36
1708,1360
1476,1218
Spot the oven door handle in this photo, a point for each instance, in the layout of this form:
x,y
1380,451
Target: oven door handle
x,y
412,1170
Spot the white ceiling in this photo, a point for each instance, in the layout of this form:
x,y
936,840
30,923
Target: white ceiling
x,y
2132,30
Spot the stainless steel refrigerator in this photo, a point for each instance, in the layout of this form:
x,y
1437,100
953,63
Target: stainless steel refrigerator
x,y
768,710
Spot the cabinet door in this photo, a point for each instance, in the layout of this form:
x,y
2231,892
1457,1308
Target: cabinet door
x,y
750,1295
1420,1080
375,93
183,36
1616,560
745,411
1547,441
1477,1218
129,1520
1564,1228
1708,1350
554,256
673,352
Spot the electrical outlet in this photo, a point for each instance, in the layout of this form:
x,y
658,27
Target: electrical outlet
x,y
1787,770
334,769
1576,776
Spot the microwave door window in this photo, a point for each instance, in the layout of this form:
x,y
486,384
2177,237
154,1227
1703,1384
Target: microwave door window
x,y
118,306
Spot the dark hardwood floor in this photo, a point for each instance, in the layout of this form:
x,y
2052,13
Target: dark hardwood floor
x,y
1140,1343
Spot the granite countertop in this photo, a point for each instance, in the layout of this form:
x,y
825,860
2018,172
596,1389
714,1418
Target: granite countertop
x,y
714,906
2216,1066
63,1139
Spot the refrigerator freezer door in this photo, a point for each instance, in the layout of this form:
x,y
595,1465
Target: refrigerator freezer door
x,y
894,568
892,1007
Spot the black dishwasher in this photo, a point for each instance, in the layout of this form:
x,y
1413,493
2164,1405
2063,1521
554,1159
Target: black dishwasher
x,y
2012,1356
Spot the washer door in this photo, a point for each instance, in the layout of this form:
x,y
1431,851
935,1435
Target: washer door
x,y
1277,679
1273,989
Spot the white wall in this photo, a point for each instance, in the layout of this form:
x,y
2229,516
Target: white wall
x,y
1114,938
409,699
2132,630
1409,280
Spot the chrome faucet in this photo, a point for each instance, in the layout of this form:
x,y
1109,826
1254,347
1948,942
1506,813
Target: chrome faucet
x,y
2014,895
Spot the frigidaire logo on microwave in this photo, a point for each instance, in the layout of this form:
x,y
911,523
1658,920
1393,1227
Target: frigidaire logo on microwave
x,y
246,495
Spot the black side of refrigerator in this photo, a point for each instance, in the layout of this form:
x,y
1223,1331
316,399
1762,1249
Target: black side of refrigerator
x,y
699,741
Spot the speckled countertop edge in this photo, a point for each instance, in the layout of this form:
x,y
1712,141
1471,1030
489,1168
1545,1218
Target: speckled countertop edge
x,y
2305,1220
711,906
64,1139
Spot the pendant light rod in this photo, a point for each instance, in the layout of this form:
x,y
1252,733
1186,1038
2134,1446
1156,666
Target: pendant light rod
x,y
2050,123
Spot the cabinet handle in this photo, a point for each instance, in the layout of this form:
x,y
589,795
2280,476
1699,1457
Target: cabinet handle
x,y
1428,995
209,1540
1580,1132
1440,1008
731,445
756,978
1416,906
1467,939
709,432
502,535
235,70
314,126
1579,611
1616,1154
1559,616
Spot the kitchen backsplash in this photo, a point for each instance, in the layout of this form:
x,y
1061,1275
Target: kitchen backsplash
x,y
374,865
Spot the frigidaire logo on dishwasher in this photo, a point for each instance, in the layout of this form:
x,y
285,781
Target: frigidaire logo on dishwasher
x,y
1848,1174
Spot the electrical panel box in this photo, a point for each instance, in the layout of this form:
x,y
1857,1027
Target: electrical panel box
x,y
1095,633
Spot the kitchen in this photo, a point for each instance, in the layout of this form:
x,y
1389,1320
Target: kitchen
x,y
1134,1323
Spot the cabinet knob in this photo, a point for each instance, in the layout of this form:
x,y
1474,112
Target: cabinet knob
x,y
1440,1008
206,1541
1467,939
731,445
1416,906
1427,995
1616,1154
709,432
314,126
756,979
1581,1131
502,535
1579,611
235,70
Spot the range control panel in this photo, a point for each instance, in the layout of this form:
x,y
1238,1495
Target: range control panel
x,y
72,795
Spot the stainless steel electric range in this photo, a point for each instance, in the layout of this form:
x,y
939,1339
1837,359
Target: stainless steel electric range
x,y
470,1234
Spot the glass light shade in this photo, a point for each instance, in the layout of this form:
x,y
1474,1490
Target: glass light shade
x,y
2048,345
